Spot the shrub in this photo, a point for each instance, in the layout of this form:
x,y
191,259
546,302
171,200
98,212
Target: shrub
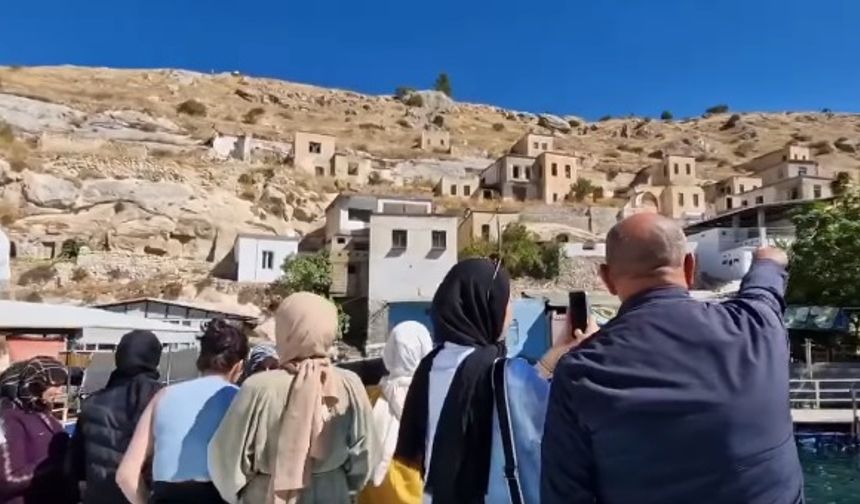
x,y
414,100
581,189
443,84
717,109
731,123
117,274
9,213
38,274
439,121
172,290
403,91
253,115
6,133
80,274
666,115
374,178
192,108
841,183
402,122
605,118
843,145
498,127
822,147
574,123
521,253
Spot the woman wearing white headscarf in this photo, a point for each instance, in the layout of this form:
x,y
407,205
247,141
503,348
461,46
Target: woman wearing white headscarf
x,y
407,344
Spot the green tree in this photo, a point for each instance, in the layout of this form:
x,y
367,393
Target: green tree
x,y
521,252
443,84
666,115
825,256
841,183
581,189
310,273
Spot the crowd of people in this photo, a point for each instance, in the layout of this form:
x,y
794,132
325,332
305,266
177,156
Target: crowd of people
x,y
673,401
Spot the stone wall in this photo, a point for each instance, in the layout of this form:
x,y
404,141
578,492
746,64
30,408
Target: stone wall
x,y
139,266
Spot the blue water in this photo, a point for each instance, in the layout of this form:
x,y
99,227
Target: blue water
x,y
831,471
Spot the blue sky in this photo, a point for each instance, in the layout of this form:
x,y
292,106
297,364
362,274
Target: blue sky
x,y
588,58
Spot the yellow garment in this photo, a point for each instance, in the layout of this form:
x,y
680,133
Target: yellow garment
x,y
402,484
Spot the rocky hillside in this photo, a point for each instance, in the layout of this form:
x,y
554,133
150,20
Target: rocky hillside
x,y
114,158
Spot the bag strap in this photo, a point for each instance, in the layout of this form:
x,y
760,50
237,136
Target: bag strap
x,y
500,392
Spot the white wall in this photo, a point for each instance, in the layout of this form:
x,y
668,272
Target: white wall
x,y
579,250
249,257
415,273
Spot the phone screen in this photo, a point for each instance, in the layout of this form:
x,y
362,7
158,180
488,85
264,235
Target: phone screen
x,y
578,309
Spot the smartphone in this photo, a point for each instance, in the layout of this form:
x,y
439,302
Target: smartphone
x,y
578,309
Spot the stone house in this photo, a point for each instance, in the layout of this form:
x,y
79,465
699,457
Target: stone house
x,y
313,153
672,188
350,167
457,187
483,225
436,141
787,174
532,171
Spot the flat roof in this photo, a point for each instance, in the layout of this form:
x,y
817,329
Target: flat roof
x,y
194,306
374,198
314,133
262,236
725,220
19,317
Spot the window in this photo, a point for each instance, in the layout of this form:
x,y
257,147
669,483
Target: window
x,y
689,170
467,190
268,259
676,168
567,171
442,142
794,194
728,203
816,191
744,203
528,173
440,240
352,168
351,269
341,240
535,145
759,200
544,147
320,171
516,171
784,158
453,189
554,197
666,170
358,215
680,197
314,147
741,187
485,232
398,238
359,246
554,170
488,194
332,171
801,170
696,200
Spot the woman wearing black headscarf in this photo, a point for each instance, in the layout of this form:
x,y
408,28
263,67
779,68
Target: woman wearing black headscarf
x,y
447,429
107,419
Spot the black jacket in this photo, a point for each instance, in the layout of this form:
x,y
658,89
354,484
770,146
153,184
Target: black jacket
x,y
105,426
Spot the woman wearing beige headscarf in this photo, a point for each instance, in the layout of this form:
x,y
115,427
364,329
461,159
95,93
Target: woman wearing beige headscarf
x,y
301,434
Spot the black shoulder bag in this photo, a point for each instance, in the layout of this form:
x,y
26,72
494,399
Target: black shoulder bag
x,y
500,393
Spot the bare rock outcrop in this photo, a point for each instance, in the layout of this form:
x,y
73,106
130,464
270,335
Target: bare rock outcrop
x,y
48,191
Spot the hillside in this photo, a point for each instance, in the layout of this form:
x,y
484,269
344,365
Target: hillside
x,y
104,156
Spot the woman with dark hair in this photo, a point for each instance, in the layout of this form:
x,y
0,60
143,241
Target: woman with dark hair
x,y
175,428
32,442
107,419
449,428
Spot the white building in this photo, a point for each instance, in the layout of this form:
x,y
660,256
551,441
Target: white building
x,y
259,258
409,256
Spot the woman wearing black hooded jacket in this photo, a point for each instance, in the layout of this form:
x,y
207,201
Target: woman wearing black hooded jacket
x,y
107,419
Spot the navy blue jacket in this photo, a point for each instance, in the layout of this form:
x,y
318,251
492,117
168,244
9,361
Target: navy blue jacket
x,y
677,401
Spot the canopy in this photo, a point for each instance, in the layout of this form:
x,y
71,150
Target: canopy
x,y
94,326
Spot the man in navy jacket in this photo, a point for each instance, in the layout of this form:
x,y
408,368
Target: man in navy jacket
x,y
675,400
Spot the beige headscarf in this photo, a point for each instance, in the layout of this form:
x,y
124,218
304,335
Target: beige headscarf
x,y
305,330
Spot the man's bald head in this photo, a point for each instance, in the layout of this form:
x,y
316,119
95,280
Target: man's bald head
x,y
646,250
